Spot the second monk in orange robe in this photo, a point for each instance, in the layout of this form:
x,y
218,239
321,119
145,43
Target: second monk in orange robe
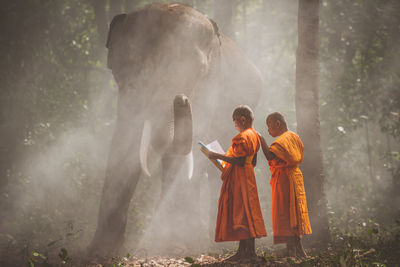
x,y
239,212
289,206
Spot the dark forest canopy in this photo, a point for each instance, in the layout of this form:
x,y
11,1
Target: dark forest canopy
x,y
58,109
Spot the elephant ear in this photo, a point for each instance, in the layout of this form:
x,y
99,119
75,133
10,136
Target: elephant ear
x,y
216,29
117,20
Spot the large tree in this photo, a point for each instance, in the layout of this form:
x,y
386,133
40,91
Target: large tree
x,y
307,115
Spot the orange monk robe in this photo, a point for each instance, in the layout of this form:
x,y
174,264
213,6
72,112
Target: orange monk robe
x,y
289,205
239,212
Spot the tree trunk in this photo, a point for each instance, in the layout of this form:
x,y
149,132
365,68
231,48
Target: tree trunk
x,y
223,15
307,115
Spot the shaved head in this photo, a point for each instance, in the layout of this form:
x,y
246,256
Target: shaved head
x,y
276,116
245,111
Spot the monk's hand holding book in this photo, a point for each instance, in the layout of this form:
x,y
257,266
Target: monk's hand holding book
x,y
213,155
210,154
205,151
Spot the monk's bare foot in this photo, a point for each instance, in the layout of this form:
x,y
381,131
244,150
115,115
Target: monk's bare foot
x,y
246,252
253,259
241,250
300,251
236,257
249,255
301,254
243,257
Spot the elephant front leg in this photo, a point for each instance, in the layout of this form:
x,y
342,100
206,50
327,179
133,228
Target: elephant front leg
x,y
122,174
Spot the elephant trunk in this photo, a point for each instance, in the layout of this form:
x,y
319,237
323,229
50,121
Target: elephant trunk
x,y
183,134
183,126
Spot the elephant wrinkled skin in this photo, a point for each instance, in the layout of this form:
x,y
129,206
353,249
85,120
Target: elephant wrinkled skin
x,y
157,54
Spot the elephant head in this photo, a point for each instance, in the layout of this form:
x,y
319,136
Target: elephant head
x,y
156,53
164,48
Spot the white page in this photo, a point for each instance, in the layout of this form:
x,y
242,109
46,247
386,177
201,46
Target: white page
x,y
215,146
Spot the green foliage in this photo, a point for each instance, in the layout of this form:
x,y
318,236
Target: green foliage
x,y
37,257
40,259
365,243
50,55
189,259
359,103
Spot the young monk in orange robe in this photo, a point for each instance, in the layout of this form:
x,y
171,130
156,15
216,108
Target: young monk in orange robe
x,y
239,212
289,206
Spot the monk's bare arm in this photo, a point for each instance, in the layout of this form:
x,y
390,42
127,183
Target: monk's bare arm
x,y
268,154
254,161
240,161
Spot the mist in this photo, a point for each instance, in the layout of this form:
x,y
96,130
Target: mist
x,y
62,107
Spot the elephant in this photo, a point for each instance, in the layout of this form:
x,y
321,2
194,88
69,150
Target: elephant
x,y
179,79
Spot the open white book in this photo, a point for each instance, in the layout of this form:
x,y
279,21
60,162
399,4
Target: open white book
x,y
213,147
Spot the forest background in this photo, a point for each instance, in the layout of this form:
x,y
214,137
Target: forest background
x,y
58,103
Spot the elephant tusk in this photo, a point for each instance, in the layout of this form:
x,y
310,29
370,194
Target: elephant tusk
x,y
186,165
144,146
190,165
